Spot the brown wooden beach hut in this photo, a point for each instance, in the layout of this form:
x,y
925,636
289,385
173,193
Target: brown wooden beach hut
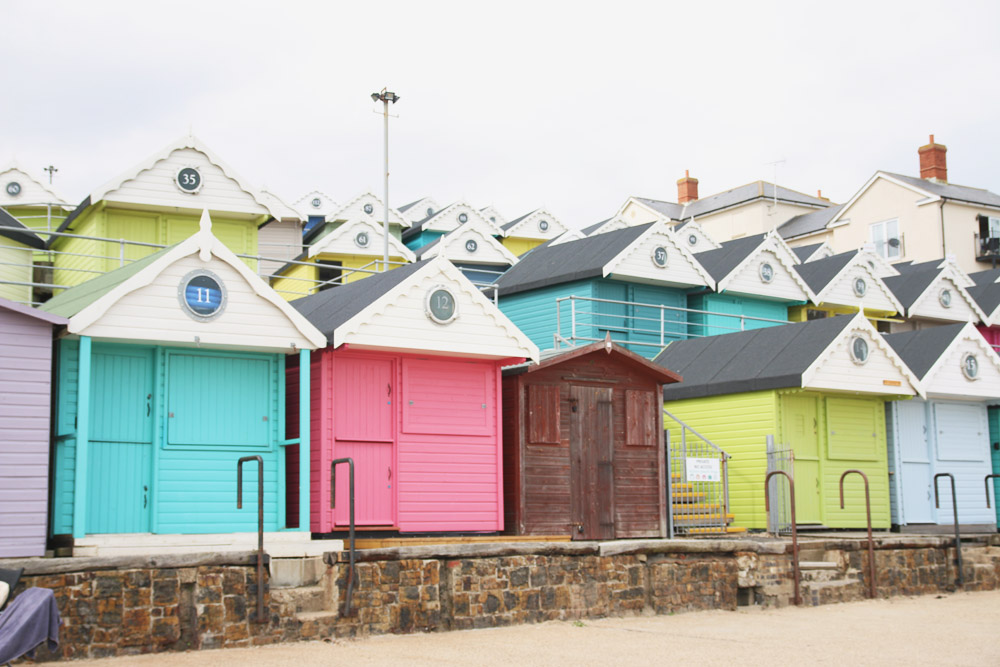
x,y
583,445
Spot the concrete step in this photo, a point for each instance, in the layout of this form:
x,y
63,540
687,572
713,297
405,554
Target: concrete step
x,y
301,600
825,592
817,565
279,544
296,572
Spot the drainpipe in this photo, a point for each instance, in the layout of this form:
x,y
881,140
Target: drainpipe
x,y
944,244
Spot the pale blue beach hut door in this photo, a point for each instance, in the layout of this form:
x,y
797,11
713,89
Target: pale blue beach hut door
x,y
915,462
119,486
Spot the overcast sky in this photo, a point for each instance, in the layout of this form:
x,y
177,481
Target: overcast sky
x,y
573,106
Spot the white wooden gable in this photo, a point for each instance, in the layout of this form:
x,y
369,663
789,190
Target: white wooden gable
x,y
398,320
493,215
960,306
884,372
785,284
315,203
154,183
20,188
367,206
636,262
472,243
946,378
637,212
531,226
840,290
822,252
569,235
694,237
612,225
455,215
146,306
879,264
360,237
421,209
279,207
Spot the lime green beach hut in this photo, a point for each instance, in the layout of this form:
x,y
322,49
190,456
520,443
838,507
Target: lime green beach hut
x,y
816,391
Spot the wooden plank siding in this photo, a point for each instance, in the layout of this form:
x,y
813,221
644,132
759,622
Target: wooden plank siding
x,y
15,267
25,390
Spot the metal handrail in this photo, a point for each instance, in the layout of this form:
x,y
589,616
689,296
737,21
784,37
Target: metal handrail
x,y
868,511
795,533
685,427
954,506
260,524
986,481
351,574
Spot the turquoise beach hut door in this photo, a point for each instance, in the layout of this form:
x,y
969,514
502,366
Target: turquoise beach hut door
x,y
119,485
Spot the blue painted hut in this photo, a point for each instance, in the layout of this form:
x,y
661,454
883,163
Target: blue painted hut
x,y
631,284
756,283
947,432
171,369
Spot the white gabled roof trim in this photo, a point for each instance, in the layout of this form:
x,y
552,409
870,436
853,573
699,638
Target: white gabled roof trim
x,y
777,245
483,231
824,248
206,245
871,181
395,218
935,285
13,165
441,264
190,141
692,225
452,208
348,229
614,223
859,323
859,259
969,333
634,200
532,217
568,235
655,228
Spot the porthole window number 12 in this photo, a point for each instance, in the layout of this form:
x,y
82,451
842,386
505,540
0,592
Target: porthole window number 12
x,y
443,302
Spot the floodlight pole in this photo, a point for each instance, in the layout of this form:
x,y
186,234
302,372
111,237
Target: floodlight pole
x,y
385,98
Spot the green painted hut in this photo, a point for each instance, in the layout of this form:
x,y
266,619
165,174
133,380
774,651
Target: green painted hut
x,y
816,391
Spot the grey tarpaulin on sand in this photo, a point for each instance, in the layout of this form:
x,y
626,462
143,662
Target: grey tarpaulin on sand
x,y
30,619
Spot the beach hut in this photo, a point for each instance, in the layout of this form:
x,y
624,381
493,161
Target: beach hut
x,y
445,220
531,230
473,249
816,390
25,416
409,388
171,369
845,284
631,284
694,236
932,294
756,283
947,432
583,445
17,244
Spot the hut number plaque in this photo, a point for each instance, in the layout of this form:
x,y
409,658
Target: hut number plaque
x,y
188,180
463,218
471,245
543,225
859,350
660,256
361,239
369,209
860,286
945,298
13,188
766,272
970,367
440,305
202,295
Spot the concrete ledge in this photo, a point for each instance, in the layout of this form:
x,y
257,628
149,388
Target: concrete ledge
x,y
479,550
41,566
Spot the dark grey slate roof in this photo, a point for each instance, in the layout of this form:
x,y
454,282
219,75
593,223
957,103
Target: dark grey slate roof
x,y
949,191
330,308
566,262
807,223
915,267
593,228
747,193
516,220
819,273
909,285
987,296
804,252
720,262
406,207
920,349
756,360
84,205
15,230
985,277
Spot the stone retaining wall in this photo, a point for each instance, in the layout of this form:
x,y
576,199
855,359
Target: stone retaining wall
x,y
129,606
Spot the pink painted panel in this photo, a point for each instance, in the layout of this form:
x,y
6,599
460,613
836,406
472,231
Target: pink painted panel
x,y
448,397
373,481
991,334
321,437
363,405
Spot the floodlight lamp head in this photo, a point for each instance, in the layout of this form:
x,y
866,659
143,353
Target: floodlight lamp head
x,y
375,97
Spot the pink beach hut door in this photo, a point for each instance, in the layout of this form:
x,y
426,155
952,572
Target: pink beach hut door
x,y
363,430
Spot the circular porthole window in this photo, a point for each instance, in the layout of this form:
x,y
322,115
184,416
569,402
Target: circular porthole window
x,y
202,295
766,272
692,239
493,218
463,218
970,367
659,256
543,225
361,239
440,305
859,350
860,286
471,245
369,209
13,188
944,298
430,211
188,179
316,203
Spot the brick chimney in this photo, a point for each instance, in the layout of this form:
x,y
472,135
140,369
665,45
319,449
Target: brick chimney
x,y
819,195
687,189
933,165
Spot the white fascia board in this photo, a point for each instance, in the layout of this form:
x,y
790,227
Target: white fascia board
x,y
864,188
936,285
206,245
395,217
857,260
654,228
774,243
970,333
485,234
58,200
861,322
531,217
396,247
